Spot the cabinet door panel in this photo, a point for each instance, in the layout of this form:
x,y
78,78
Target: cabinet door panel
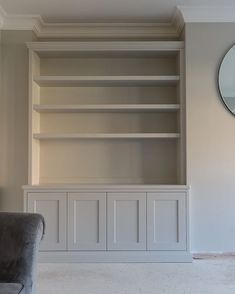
x,y
166,221
87,221
54,209
126,221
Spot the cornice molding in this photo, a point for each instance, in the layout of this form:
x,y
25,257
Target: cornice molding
x,y
177,21
45,30
171,30
207,14
107,30
22,22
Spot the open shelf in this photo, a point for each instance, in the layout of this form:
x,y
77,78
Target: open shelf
x,y
106,107
63,81
106,112
44,136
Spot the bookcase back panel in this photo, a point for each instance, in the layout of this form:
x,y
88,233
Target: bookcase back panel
x,y
108,122
108,66
108,162
108,95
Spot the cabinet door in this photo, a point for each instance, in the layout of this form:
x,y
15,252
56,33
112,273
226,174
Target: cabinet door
x,y
54,209
166,221
87,221
126,221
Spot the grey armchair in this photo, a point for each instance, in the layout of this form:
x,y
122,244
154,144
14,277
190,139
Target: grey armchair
x,y
20,235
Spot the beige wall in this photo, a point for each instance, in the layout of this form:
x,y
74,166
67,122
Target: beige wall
x,y
210,140
1,123
13,118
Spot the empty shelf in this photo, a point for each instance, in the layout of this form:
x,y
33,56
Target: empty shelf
x,y
63,81
107,108
44,136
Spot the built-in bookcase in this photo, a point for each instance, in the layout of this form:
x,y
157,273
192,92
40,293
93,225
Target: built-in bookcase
x,y
106,113
107,151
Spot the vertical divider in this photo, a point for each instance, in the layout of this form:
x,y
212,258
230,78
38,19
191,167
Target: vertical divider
x,y
181,156
67,220
106,221
34,120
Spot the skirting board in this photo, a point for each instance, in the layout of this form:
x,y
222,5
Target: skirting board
x,y
114,257
213,255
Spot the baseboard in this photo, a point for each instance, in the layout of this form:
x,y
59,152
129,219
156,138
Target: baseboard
x,y
212,255
115,257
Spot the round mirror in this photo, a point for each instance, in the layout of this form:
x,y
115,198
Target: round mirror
x,y
227,80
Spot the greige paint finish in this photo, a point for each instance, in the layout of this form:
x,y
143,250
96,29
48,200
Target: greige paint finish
x,y
111,10
1,123
86,221
210,129
13,118
126,221
123,237
53,208
210,140
166,221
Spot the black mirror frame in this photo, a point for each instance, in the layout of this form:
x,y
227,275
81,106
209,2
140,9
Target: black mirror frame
x,y
218,85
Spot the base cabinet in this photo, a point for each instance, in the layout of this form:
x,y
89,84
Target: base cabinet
x,y
166,221
87,221
112,226
53,206
126,221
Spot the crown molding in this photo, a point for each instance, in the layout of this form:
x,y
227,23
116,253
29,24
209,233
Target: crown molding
x,y
19,22
178,21
45,30
107,30
207,14
22,22
171,30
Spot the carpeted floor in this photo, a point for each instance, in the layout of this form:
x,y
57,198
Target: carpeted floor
x,y
215,276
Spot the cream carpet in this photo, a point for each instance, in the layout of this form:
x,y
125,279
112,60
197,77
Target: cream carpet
x,y
216,276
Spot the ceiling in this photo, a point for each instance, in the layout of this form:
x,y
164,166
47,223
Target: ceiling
x,y
104,10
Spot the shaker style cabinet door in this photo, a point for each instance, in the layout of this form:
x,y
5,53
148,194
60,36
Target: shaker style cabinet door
x,y
166,221
54,209
126,221
87,221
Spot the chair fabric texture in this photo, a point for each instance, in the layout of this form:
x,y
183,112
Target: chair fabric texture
x,y
11,288
20,235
